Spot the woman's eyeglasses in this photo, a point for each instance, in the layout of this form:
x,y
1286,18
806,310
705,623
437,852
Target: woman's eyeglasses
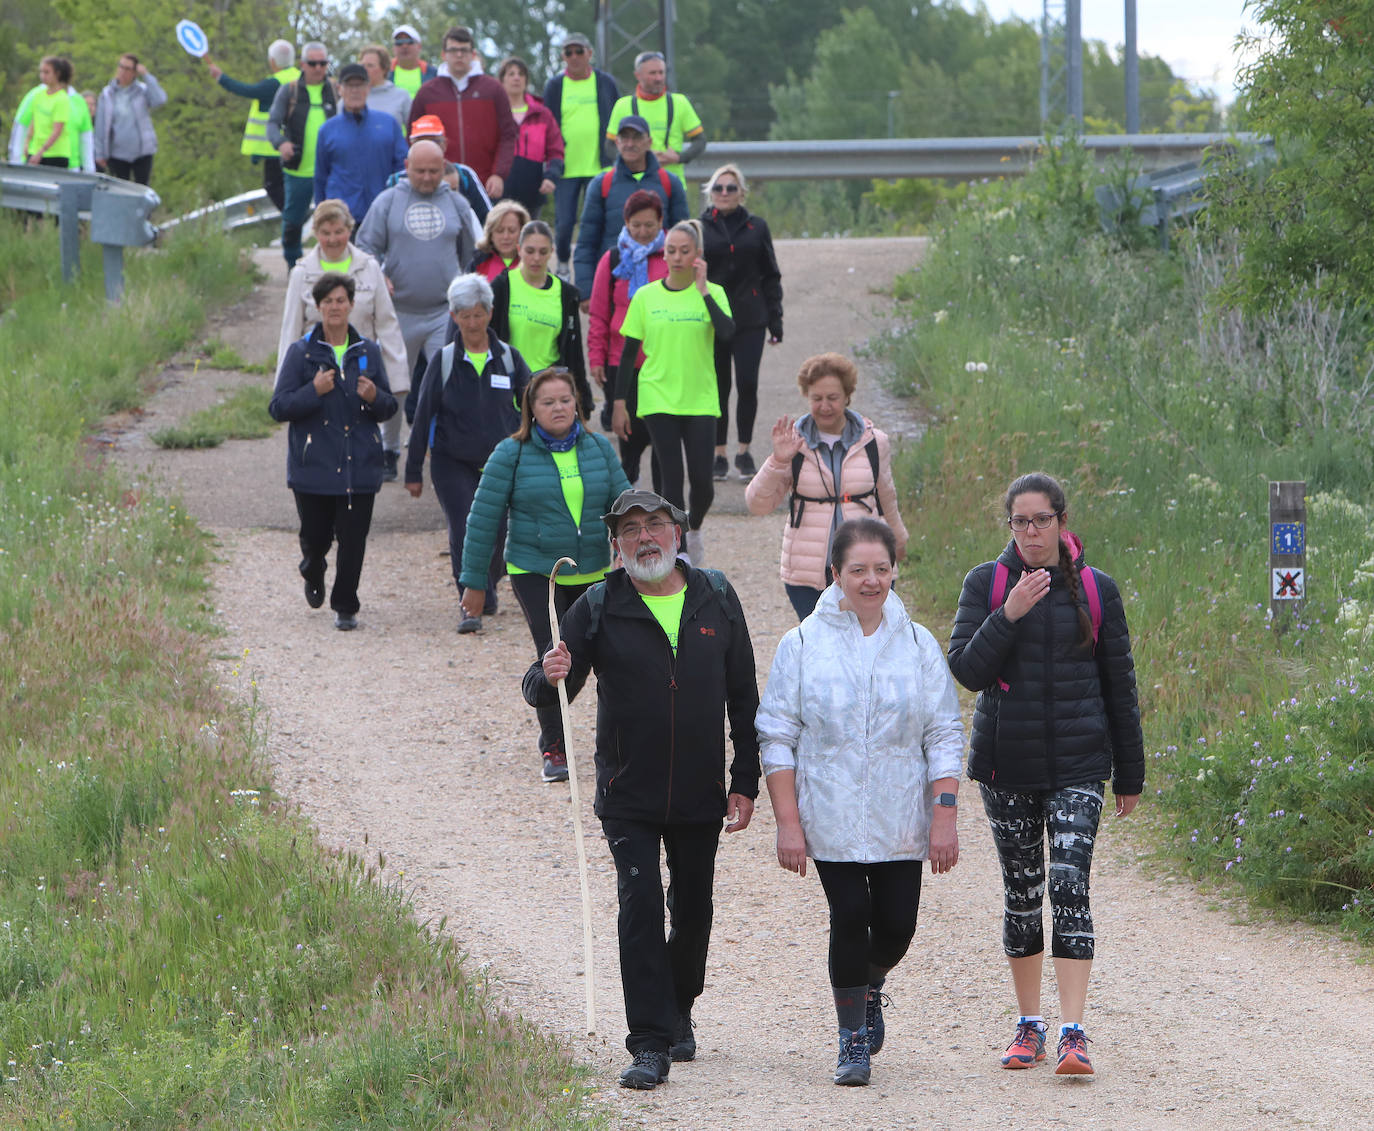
x,y
726,189
1020,522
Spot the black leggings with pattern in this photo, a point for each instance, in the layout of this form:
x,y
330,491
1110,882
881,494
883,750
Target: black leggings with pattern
x,y
1019,822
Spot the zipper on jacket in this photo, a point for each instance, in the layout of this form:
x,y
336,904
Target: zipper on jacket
x,y
1048,693
672,721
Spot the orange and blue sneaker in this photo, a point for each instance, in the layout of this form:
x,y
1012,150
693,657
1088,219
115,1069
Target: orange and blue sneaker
x,y
1027,1048
1073,1054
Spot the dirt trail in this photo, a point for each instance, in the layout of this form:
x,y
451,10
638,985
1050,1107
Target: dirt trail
x,y
407,739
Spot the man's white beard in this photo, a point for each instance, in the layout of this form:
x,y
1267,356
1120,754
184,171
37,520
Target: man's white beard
x,y
651,570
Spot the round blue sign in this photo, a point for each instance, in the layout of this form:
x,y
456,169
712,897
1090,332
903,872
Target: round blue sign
x,y
192,39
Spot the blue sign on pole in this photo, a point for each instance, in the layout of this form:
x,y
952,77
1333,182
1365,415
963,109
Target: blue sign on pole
x,y
192,39
1287,538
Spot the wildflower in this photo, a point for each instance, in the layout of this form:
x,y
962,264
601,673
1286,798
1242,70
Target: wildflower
x,y
941,315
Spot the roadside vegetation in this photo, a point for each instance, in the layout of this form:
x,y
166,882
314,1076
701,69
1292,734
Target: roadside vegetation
x,y
242,415
175,948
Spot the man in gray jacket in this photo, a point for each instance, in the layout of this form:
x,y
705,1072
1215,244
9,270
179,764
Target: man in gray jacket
x,y
421,231
125,140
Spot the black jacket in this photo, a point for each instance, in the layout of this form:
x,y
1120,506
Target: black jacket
x,y
1069,714
660,733
570,353
291,109
739,257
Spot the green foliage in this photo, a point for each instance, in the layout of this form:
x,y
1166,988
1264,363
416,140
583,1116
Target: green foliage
x,y
240,416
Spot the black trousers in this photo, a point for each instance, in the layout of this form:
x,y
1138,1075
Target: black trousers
x,y
139,170
56,163
272,182
673,436
746,348
662,977
324,520
532,594
455,482
872,915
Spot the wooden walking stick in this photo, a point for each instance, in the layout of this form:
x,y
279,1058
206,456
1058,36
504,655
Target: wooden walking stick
x,y
576,808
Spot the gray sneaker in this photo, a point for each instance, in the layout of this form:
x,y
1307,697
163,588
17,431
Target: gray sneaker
x,y
853,1068
469,623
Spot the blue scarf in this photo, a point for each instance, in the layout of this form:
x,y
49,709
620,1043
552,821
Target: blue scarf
x,y
567,443
634,259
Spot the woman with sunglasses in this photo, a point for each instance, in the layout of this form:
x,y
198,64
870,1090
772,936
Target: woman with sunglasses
x,y
739,257
1042,638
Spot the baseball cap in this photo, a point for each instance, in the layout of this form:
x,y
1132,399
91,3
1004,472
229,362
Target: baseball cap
x,y
646,501
353,72
633,122
578,38
426,125
405,29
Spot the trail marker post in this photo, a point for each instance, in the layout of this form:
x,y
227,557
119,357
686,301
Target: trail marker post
x,y
1287,551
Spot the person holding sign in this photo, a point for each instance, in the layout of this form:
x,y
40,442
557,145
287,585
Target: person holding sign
x,y
1042,638
281,60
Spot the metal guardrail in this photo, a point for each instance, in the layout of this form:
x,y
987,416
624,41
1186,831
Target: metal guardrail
x,y
117,211
241,211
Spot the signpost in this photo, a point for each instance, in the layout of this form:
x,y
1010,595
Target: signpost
x,y
1287,551
192,39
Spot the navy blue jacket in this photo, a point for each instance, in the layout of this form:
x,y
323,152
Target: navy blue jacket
x,y
334,446
467,415
603,216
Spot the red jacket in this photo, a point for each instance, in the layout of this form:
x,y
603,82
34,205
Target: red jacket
x,y
477,121
540,139
609,302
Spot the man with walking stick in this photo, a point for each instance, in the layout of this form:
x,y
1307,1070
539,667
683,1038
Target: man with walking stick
x,y
672,657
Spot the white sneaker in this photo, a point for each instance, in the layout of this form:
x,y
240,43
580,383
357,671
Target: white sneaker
x,y
696,548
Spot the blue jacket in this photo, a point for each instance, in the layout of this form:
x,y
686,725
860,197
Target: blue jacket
x,y
602,216
334,446
354,156
522,478
463,415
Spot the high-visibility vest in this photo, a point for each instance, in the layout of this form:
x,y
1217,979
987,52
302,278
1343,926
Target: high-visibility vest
x,y
255,143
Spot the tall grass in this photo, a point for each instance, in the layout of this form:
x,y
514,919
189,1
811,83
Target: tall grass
x,y
175,948
1039,344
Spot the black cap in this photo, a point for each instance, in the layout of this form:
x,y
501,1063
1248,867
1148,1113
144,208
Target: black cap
x,y
353,72
633,122
647,501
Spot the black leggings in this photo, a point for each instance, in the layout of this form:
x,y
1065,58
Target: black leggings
x,y
532,594
746,347
872,915
1019,822
671,436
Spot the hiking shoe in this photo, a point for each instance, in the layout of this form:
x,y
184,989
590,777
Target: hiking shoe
x,y
345,622
853,1068
684,1046
390,462
649,1070
1073,1054
555,764
314,594
1027,1047
721,469
873,1019
469,623
744,464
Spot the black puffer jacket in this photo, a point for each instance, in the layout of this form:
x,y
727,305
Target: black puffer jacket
x,y
739,259
1069,714
660,717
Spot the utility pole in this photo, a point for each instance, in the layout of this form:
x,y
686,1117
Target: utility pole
x,y
1061,65
624,28
1132,66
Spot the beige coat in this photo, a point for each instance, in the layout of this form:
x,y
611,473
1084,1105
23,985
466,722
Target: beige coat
x,y
373,315
805,548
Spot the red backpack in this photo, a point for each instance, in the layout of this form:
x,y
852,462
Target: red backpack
x,y
663,178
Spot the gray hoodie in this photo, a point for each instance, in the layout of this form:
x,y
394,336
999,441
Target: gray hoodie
x,y
389,98
422,242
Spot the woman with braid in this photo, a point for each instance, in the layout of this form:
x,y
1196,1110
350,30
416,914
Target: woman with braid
x,y
1042,638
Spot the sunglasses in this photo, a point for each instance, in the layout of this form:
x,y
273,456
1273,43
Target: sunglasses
x,y
574,50
316,63
403,41
726,189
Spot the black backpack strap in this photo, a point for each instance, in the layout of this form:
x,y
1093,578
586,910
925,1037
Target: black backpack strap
x,y
872,449
795,505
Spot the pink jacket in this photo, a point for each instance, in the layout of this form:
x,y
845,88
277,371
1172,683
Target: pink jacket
x,y
805,547
606,314
539,138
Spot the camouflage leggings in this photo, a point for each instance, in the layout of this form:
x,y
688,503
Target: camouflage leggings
x,y
1019,821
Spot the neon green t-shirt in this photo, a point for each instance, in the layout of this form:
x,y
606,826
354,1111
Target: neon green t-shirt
x,y
581,127
478,360
341,266
339,352
536,317
78,126
679,374
655,112
570,479
314,120
48,110
668,612
409,80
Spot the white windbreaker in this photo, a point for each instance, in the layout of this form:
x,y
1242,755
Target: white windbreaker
x,y
866,736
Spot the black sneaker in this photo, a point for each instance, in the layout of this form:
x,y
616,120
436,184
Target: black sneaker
x,y
721,469
555,766
345,622
684,1046
469,623
873,1019
649,1070
390,462
314,594
744,464
853,1068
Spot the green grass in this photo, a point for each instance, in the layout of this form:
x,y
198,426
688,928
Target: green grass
x,y
175,948
1039,345
220,355
240,416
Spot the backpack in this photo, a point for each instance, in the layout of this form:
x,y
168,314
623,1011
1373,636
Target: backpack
x,y
663,179
596,600
796,503
997,595
446,364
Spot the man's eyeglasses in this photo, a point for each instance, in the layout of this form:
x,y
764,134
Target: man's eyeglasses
x,y
630,531
1020,522
726,189
574,49
458,49
316,63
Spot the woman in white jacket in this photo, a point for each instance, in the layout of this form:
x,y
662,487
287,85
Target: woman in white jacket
x,y
862,745
373,314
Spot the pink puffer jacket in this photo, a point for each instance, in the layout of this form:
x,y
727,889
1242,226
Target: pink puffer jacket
x,y
804,548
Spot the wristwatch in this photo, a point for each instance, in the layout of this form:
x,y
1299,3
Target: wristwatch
x,y
948,800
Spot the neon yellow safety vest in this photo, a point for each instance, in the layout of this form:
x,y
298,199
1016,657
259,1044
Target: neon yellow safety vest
x,y
255,143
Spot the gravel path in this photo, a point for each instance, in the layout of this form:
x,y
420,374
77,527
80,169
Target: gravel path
x,y
407,739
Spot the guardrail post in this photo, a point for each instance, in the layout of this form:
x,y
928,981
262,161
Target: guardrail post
x,y
69,223
114,272
1287,551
